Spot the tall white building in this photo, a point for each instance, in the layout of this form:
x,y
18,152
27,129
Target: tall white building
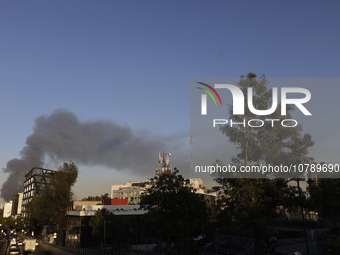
x,y
8,209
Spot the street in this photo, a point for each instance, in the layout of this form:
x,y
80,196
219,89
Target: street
x,y
38,251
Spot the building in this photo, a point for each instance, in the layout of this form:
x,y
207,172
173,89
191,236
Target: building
x,y
78,230
75,203
17,204
129,192
36,181
7,209
197,184
117,201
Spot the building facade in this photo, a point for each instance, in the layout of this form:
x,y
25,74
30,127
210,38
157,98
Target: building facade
x,y
36,181
126,223
17,204
8,209
129,191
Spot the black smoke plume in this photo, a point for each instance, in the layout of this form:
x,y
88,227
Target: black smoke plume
x,y
61,137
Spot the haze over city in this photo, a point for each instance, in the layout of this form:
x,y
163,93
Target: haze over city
x,y
107,84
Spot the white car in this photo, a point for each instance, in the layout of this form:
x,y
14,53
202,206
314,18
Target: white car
x,y
14,251
13,241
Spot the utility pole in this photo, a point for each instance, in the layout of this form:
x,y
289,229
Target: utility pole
x,y
191,164
303,217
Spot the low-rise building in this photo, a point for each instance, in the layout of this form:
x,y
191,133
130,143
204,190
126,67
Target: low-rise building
x,y
79,232
131,191
74,203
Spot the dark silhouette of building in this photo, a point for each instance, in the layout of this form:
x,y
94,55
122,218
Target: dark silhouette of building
x,y
37,180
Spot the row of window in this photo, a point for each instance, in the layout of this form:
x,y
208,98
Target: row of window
x,y
37,179
126,194
24,201
29,194
28,182
29,187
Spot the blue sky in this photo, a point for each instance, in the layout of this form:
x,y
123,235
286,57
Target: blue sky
x,y
130,62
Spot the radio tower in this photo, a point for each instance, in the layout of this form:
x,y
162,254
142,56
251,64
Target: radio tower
x,y
166,168
191,163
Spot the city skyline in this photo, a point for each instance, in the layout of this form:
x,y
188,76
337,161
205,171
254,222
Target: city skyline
x,y
129,66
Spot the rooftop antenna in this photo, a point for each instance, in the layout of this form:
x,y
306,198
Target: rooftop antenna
x,y
166,168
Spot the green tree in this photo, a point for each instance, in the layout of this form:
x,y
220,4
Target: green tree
x,y
248,200
40,210
325,196
175,213
60,191
54,201
96,198
98,224
272,143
